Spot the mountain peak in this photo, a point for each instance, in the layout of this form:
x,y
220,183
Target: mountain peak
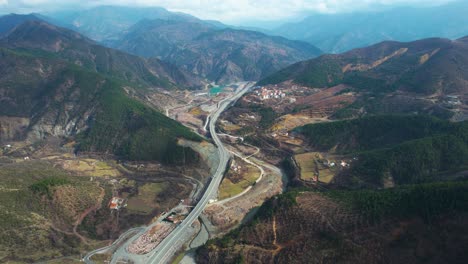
x,y
9,22
37,34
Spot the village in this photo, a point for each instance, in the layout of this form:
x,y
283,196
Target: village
x,y
265,94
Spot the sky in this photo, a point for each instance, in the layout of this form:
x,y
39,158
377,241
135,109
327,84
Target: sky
x,y
228,11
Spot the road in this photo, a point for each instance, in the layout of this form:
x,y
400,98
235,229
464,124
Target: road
x,y
166,249
87,258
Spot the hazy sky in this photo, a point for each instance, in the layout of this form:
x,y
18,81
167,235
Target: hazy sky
x,y
226,10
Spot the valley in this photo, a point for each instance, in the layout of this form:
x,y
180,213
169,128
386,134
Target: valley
x,y
139,134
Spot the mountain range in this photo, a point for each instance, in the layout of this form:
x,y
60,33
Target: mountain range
x,y
106,23
209,49
336,33
221,55
367,140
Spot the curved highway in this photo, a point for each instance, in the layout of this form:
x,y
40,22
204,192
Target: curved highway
x,y
164,251
177,238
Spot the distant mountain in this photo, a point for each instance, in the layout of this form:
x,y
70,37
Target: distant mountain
x,y
8,22
75,48
106,23
392,77
221,55
337,33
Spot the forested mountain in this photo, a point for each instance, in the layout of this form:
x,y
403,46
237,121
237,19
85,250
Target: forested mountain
x,y
57,83
391,76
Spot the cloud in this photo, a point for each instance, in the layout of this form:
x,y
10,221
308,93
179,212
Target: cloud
x,y
228,10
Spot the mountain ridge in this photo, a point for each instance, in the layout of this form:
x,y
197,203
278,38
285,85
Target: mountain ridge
x,y
217,54
337,33
376,62
85,52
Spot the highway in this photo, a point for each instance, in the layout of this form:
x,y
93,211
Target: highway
x,y
87,258
164,251
177,238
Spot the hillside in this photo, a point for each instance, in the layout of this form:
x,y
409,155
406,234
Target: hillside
x,y
393,150
49,97
414,224
372,132
41,205
84,52
336,33
65,85
221,55
391,77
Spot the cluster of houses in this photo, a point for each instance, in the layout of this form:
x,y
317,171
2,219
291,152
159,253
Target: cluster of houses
x,y
452,101
116,203
266,94
332,164
236,168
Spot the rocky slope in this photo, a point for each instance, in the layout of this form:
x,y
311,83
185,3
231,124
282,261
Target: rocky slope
x,y
221,55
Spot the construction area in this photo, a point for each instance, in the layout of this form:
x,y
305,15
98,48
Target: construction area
x,y
151,239
160,230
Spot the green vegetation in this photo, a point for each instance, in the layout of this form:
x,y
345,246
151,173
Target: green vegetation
x,y
272,205
236,182
413,161
268,116
44,186
144,202
126,127
410,149
118,124
373,132
370,84
424,200
324,71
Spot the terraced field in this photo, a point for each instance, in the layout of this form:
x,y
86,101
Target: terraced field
x,y
312,165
